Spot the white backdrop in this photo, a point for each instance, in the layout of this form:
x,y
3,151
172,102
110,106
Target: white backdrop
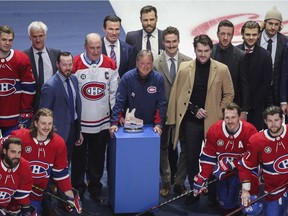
x,y
198,17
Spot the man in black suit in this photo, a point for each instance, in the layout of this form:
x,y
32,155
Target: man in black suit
x,y
271,34
233,57
149,37
122,53
258,66
37,31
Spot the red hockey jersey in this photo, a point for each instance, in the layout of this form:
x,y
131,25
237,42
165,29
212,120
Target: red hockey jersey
x,y
220,144
272,154
48,158
17,87
15,184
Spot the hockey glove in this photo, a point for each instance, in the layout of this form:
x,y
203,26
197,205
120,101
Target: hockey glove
x,y
200,185
25,119
223,167
74,203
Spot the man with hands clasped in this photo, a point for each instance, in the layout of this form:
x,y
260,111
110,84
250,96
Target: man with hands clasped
x,y
141,89
225,144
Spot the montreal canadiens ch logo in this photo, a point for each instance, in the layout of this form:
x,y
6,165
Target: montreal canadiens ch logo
x,y
7,87
6,194
152,89
93,90
281,164
39,169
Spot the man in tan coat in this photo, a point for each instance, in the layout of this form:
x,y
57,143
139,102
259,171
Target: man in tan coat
x,y
201,89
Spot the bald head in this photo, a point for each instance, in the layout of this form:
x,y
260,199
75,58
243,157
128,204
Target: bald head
x,y
92,37
93,46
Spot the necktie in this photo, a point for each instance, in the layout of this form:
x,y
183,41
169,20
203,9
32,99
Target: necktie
x,y
148,44
71,100
248,50
172,70
269,46
113,54
40,69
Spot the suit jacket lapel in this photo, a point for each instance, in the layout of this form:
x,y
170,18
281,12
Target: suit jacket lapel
x,y
52,57
33,64
180,59
191,71
139,42
164,67
123,56
212,74
61,86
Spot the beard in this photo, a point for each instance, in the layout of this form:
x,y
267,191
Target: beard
x,y
12,163
275,130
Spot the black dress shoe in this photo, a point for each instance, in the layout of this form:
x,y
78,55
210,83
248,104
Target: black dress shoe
x,y
97,198
179,189
191,199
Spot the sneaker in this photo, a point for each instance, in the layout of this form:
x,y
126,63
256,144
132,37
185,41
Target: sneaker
x,y
165,190
179,189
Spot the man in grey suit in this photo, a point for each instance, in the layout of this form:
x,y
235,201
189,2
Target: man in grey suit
x,y
42,58
167,64
149,37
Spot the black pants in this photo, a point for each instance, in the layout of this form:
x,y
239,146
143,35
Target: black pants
x,y
192,137
90,154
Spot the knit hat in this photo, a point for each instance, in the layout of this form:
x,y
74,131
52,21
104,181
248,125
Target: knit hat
x,y
273,13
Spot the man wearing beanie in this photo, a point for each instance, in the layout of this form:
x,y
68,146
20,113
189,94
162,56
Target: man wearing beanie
x,y
272,40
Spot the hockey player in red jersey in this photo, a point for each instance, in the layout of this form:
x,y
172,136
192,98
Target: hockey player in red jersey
x,y
225,144
269,149
17,84
15,179
47,155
